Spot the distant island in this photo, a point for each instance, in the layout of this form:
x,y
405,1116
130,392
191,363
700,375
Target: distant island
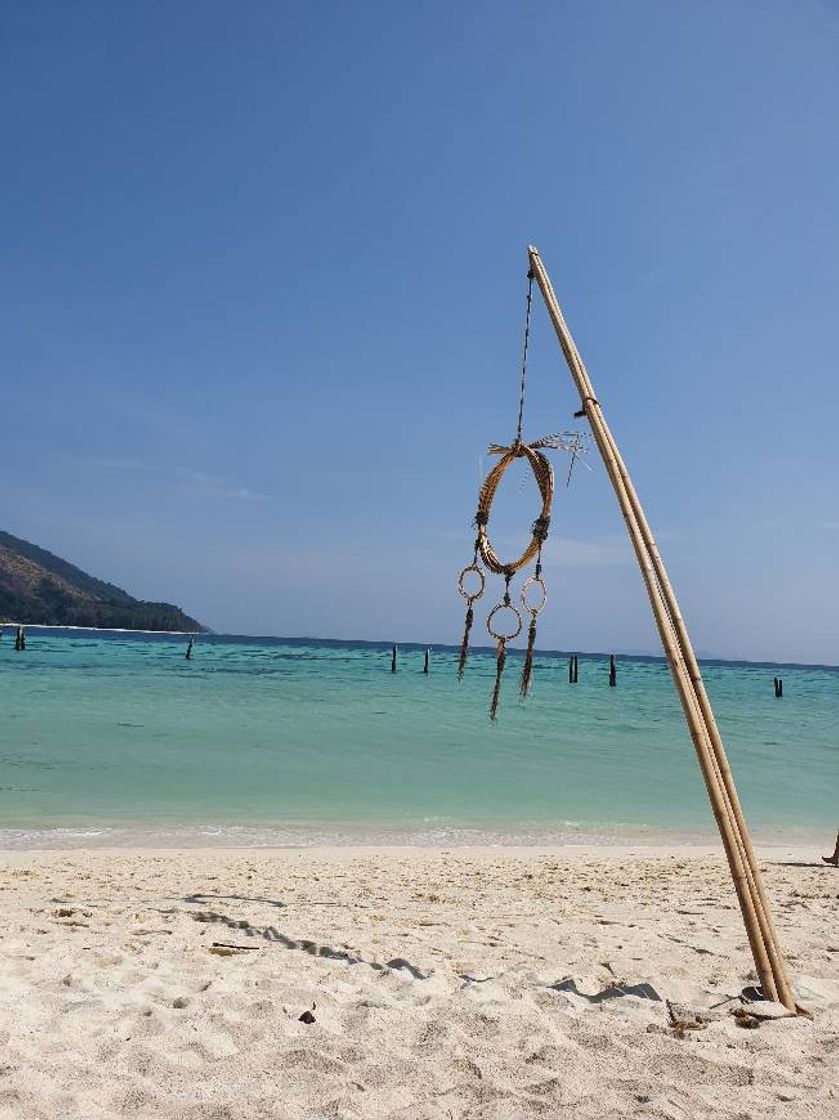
x,y
38,588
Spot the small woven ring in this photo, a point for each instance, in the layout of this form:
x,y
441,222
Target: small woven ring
x,y
543,473
534,581
494,611
470,599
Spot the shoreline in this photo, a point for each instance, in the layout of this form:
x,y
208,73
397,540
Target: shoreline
x,y
570,853
478,845
420,835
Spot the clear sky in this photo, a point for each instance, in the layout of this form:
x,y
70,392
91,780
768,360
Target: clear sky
x,y
262,294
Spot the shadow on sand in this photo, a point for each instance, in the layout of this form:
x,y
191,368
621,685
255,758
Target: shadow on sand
x,y
302,945
800,863
614,991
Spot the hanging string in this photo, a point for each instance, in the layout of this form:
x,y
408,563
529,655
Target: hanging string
x,y
524,355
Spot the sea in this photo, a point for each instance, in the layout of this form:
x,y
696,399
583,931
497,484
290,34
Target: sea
x,y
117,739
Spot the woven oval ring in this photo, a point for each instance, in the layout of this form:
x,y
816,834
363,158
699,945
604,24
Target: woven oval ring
x,y
544,475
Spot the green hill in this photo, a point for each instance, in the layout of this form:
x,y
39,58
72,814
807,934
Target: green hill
x,y
38,587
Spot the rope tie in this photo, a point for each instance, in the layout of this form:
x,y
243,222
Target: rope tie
x,y
583,410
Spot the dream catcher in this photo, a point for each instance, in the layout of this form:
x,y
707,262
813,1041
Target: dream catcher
x,y
505,621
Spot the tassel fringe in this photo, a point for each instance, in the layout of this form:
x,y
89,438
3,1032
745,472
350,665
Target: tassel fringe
x,y
527,671
499,673
464,647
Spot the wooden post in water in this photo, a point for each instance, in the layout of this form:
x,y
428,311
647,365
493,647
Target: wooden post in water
x,y
684,668
779,688
189,648
393,659
613,672
425,661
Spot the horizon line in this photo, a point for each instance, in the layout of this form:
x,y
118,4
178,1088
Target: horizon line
x,y
388,644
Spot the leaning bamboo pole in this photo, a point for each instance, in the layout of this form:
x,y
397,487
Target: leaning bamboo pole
x,y
685,671
719,760
724,775
779,985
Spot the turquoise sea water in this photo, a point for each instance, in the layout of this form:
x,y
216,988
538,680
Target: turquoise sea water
x,y
106,738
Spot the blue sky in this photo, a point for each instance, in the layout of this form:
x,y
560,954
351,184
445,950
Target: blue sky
x,y
262,298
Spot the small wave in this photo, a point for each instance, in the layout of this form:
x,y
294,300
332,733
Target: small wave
x,y
428,834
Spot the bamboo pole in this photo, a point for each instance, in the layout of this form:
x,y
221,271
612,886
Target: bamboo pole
x,y
697,730
720,761
685,671
726,778
612,459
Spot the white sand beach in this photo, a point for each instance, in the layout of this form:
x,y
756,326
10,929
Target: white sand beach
x,y
498,984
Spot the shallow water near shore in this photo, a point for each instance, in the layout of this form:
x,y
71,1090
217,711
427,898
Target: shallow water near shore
x,y
118,739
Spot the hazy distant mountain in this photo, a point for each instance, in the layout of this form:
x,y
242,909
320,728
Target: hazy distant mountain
x,y
37,587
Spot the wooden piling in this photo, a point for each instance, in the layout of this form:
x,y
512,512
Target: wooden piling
x,y
779,688
393,659
613,672
425,660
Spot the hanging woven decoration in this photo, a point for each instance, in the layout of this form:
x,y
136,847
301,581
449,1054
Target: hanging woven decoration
x,y
505,621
